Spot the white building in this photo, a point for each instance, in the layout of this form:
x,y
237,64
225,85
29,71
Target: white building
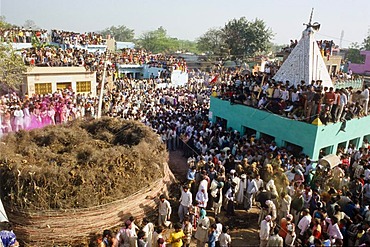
x,y
44,80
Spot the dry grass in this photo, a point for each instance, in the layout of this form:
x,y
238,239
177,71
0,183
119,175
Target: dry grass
x,y
81,165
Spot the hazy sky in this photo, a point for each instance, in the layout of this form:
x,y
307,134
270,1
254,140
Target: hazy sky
x,y
189,19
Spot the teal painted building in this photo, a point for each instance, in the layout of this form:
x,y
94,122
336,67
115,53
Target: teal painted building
x,y
308,137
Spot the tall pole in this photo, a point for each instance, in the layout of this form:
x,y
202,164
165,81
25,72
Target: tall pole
x,y
102,88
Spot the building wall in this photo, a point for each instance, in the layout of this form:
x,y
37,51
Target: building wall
x,y
283,129
333,64
331,135
310,137
361,68
139,71
55,75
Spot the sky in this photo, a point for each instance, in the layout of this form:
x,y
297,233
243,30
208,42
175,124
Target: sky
x,y
189,19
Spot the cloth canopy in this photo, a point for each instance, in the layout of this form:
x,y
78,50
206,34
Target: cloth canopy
x,y
330,160
3,216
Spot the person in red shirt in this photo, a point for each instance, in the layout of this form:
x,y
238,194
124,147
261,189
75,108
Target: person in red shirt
x,y
329,97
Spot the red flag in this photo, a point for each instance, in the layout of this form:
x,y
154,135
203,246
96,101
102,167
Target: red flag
x,y
214,79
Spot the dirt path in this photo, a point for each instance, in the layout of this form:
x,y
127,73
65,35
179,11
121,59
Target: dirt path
x,y
244,228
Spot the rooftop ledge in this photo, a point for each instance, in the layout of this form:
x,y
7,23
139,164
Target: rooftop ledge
x,y
266,113
309,136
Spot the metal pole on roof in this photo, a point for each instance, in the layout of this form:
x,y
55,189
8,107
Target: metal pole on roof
x,y
102,87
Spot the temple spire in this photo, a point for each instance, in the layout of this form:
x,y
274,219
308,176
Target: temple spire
x,y
310,21
315,26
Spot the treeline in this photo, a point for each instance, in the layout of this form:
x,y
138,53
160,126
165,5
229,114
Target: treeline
x,y
239,37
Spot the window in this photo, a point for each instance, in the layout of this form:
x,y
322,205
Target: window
x,y
267,137
63,85
43,88
248,131
325,151
355,143
83,86
293,148
342,147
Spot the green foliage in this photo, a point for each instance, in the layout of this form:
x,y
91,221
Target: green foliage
x,y
158,41
246,38
188,46
212,42
119,33
277,48
4,24
366,43
354,55
11,67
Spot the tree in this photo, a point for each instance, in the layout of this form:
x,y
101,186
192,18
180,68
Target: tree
x,y
157,41
366,43
212,41
245,38
353,54
119,33
11,67
30,24
4,24
188,46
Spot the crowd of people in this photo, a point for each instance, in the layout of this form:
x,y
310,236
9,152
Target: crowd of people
x,y
69,38
23,35
228,170
76,57
141,57
58,57
301,102
301,202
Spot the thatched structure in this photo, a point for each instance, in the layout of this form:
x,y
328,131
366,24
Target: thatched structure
x,y
64,182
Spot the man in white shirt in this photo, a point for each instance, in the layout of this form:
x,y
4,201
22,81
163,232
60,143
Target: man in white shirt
x,y
342,103
224,238
186,201
202,198
148,229
333,229
18,118
285,201
251,191
265,229
242,189
164,211
305,222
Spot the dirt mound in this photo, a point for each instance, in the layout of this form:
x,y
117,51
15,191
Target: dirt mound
x,y
81,165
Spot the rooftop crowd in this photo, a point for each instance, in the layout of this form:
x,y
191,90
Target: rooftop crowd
x,y
301,102
58,57
77,39
23,35
301,202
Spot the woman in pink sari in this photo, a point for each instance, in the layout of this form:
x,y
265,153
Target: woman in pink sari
x,y
44,116
27,117
6,124
35,117
64,113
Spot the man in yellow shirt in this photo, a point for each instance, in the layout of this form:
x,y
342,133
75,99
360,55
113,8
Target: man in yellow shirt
x,y
176,237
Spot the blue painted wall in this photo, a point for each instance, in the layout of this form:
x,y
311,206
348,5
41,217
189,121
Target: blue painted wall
x,y
310,137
